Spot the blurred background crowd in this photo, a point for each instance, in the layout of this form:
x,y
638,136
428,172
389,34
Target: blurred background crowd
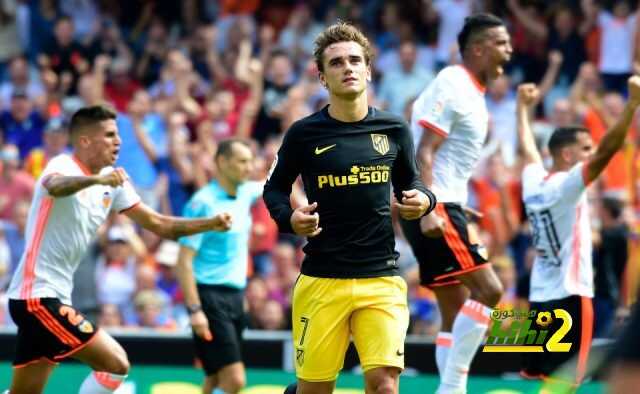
x,y
186,74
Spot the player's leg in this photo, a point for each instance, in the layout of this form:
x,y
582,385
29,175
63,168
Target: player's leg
x,y
34,343
472,320
379,325
209,384
470,325
221,357
435,257
31,378
450,298
321,308
109,363
382,380
231,378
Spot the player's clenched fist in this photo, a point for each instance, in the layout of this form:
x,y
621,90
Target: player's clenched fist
x,y
305,222
221,222
528,94
115,178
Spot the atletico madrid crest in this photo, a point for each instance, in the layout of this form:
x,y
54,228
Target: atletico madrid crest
x,y
380,143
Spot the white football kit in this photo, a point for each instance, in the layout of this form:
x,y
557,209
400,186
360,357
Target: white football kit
x,y
454,107
558,210
59,231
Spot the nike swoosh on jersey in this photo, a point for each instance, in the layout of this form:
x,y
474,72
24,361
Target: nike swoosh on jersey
x,y
320,151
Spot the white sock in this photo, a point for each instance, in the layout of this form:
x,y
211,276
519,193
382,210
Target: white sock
x,y
101,383
443,345
469,327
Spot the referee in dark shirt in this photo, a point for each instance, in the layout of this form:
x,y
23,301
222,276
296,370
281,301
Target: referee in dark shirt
x,y
349,155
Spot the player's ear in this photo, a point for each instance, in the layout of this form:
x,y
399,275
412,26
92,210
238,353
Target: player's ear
x,y
323,81
368,72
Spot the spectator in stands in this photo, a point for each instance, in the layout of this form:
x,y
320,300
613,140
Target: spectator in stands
x,y
14,231
609,264
20,80
297,37
256,295
399,86
15,184
285,272
501,104
64,55
153,311
56,141
271,316
9,35
279,78
617,41
144,139
116,270
110,316
167,256
22,124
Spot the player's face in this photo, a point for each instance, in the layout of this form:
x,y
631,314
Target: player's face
x,y
238,166
497,51
105,143
582,149
345,70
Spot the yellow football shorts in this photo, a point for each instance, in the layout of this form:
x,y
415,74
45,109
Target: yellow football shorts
x,y
328,311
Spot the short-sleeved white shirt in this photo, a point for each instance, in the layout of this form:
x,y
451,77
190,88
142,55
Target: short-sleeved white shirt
x,y
453,106
59,231
558,210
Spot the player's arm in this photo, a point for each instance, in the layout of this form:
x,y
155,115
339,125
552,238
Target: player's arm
x,y
58,185
173,227
430,141
277,191
527,98
414,199
614,138
186,279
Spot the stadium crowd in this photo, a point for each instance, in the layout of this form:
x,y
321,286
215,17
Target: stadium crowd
x,y
184,75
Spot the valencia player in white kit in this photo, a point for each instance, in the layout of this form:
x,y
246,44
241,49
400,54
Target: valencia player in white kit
x,y
450,124
72,199
558,210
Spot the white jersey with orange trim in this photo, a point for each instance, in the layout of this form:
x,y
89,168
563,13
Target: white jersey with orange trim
x,y
59,231
454,107
558,210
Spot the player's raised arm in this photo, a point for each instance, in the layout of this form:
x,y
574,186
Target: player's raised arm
x,y
528,95
173,227
61,186
614,138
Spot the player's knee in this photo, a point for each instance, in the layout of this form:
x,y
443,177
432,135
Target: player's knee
x,y
119,364
232,384
491,295
383,383
385,386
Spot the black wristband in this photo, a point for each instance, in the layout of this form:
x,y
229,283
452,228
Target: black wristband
x,y
193,308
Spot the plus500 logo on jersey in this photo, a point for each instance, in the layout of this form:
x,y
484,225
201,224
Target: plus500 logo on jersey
x,y
360,175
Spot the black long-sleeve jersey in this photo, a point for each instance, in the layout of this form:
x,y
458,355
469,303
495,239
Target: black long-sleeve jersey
x,y
348,169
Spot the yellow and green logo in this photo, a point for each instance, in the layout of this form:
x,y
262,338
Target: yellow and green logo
x,y
511,331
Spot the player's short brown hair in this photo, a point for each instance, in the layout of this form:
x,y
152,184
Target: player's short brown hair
x,y
89,116
340,32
